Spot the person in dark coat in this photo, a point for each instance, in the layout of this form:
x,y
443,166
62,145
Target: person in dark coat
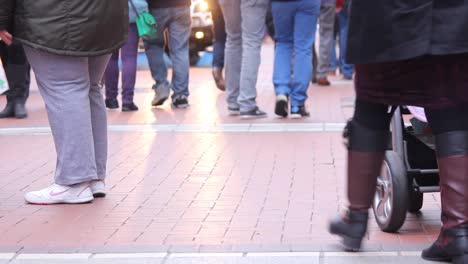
x,y
409,53
18,74
68,44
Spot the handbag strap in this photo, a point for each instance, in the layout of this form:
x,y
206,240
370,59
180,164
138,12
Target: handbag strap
x,y
134,8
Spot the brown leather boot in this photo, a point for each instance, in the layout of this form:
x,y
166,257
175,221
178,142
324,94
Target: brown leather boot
x,y
366,150
452,243
218,78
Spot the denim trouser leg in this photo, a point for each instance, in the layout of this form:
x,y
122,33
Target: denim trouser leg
x,y
179,29
129,64
155,49
233,52
219,44
305,27
327,21
283,19
111,76
346,69
253,13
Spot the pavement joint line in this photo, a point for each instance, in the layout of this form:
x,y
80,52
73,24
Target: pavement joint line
x,y
283,254
61,256
128,255
7,255
360,254
204,255
197,128
83,256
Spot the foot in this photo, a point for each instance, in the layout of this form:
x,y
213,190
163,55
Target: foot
x,y
98,188
348,78
332,73
281,106
20,111
234,111
323,81
8,111
55,194
299,112
218,78
129,107
161,93
450,246
180,101
112,103
351,227
252,114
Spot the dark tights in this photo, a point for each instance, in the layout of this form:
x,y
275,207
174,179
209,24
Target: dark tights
x,y
378,117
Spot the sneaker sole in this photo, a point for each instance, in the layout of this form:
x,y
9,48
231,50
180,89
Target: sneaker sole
x,y
181,106
281,108
252,116
159,102
66,201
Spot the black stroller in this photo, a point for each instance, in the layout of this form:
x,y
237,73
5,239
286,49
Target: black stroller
x,y
409,170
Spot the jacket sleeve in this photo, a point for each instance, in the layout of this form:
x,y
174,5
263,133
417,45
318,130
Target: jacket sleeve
x,y
6,13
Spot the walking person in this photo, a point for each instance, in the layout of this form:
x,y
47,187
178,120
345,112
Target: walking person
x,y
219,44
128,53
327,25
245,27
401,65
17,72
346,68
295,28
174,17
68,45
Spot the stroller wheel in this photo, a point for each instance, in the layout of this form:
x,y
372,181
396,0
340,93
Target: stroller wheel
x,y
391,197
415,201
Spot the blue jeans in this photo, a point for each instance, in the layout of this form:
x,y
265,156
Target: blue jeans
x,y
177,21
346,69
295,25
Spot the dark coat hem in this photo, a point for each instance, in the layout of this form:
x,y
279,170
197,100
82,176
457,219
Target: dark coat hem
x,y
72,53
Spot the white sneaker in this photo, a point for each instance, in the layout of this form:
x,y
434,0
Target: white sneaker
x,y
54,194
98,188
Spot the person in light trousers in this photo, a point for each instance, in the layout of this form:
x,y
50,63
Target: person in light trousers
x,y
68,44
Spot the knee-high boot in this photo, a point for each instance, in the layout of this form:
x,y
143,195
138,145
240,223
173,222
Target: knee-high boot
x,y
366,150
452,158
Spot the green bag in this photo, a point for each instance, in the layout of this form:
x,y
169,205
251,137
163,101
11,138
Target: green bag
x,y
146,24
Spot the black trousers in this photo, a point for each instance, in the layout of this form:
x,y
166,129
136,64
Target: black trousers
x,y
17,71
377,117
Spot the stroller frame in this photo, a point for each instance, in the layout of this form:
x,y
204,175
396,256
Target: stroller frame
x,y
409,170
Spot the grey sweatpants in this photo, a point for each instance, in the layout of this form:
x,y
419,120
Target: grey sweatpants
x,y
245,28
327,23
77,114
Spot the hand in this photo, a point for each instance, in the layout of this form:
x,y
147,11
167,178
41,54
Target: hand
x,y
6,37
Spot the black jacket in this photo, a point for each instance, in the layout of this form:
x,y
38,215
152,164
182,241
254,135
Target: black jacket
x,y
67,27
391,30
168,3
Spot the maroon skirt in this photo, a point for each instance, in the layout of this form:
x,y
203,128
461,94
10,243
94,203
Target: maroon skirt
x,y
430,81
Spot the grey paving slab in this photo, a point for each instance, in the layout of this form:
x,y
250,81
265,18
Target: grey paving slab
x,y
373,260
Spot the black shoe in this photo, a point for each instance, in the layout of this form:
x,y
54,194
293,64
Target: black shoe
x,y
254,113
180,101
451,246
20,111
112,103
281,106
8,111
351,227
234,111
129,107
299,112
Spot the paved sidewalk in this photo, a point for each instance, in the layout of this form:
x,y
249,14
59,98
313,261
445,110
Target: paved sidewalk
x,y
199,181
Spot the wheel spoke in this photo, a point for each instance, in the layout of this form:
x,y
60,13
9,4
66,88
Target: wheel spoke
x,y
381,208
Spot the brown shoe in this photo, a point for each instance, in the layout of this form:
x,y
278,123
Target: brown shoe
x,y
323,81
218,78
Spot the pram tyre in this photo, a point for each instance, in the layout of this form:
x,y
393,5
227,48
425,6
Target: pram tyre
x,y
391,197
415,201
